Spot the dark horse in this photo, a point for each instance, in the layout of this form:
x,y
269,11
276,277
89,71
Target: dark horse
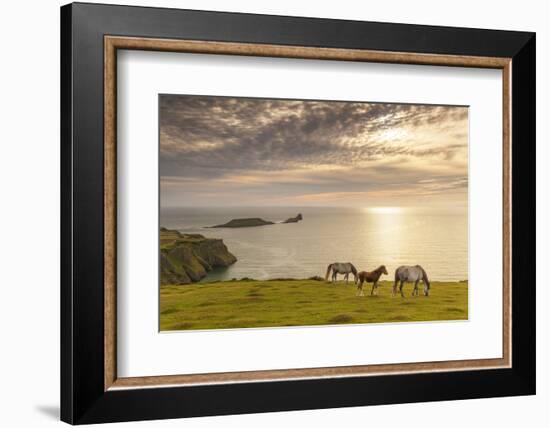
x,y
373,277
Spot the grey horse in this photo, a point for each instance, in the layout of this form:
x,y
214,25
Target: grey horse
x,y
341,268
411,274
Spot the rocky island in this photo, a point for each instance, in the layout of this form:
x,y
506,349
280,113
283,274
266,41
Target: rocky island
x,y
256,221
186,258
294,219
245,222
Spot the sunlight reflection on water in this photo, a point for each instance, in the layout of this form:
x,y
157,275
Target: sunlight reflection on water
x,y
436,240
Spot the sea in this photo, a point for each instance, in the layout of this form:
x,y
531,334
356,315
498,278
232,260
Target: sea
x,y
436,239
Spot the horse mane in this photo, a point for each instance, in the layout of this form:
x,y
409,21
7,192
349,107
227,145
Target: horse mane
x,y
353,270
379,268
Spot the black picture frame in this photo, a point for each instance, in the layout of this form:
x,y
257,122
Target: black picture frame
x,y
83,398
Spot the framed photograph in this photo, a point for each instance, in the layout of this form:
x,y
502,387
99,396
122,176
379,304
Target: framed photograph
x,y
266,213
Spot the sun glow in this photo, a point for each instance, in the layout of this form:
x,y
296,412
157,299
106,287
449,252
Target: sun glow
x,y
393,134
383,210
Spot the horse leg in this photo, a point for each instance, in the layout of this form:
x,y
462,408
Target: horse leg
x,y
415,289
394,289
426,291
401,288
373,287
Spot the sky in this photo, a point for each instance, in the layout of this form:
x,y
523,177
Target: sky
x,y
228,151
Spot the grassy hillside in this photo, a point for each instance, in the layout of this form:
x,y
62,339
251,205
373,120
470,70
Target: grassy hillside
x,y
275,303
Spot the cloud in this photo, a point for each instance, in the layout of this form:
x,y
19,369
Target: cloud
x,y
292,148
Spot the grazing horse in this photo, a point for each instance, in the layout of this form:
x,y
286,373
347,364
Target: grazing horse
x,y
341,268
411,274
373,277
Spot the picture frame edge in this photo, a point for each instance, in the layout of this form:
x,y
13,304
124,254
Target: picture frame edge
x,y
87,400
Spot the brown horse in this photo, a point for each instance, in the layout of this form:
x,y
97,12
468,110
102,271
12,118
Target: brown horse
x,y
373,277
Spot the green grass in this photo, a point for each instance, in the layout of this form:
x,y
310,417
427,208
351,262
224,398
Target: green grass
x,y
277,303
169,238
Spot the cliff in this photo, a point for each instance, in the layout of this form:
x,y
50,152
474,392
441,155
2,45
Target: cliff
x,y
186,258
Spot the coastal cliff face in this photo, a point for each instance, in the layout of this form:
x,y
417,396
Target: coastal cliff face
x,y
186,258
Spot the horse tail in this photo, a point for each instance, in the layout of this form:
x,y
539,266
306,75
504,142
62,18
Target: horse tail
x,y
328,271
425,276
395,281
354,272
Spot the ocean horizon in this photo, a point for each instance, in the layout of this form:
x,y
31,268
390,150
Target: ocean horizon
x,y
436,238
